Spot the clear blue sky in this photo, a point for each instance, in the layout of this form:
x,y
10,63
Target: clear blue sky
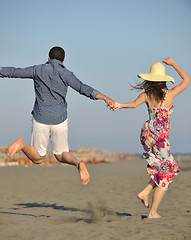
x,y
107,43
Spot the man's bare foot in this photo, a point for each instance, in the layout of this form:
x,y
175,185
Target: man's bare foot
x,y
154,215
144,199
83,173
15,147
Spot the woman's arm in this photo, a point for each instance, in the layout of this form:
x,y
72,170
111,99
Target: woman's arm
x,y
185,78
142,98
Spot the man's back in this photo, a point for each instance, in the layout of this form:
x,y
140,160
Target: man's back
x,y
51,81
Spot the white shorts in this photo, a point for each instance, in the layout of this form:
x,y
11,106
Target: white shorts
x,y
58,135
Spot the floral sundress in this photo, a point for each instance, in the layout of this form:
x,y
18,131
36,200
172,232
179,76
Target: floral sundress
x,y
161,167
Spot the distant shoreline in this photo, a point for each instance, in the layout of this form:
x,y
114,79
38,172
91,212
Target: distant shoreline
x,y
87,155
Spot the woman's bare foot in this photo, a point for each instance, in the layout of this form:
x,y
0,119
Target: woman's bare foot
x,y
144,199
154,215
15,147
83,173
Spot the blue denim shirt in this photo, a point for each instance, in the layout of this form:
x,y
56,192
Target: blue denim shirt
x,y
51,81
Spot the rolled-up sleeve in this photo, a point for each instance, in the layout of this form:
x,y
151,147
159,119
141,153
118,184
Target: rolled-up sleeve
x,y
12,72
80,87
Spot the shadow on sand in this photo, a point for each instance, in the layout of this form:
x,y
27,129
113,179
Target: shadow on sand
x,y
96,211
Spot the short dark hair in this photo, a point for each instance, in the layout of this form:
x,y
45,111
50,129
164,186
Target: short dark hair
x,y
57,53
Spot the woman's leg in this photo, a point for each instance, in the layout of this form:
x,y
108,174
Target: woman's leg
x,y
144,195
68,158
158,195
28,150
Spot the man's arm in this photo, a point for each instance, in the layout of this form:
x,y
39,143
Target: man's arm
x,y
86,90
80,87
12,72
109,101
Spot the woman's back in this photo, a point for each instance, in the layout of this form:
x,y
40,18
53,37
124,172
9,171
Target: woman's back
x,y
160,112
166,102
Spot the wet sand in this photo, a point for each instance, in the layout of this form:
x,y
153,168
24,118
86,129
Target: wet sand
x,y
50,203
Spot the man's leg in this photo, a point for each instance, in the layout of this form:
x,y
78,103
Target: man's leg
x,y
28,150
59,142
68,158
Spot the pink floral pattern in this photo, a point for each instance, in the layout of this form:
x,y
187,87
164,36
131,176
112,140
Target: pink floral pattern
x,y
162,167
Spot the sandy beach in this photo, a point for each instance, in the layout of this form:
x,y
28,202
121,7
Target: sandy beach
x,y
50,203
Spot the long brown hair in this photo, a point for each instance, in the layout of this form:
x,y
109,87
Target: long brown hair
x,y
154,89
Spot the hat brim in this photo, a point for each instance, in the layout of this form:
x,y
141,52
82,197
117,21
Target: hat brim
x,y
156,78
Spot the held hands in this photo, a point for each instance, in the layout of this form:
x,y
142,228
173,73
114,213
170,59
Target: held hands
x,y
110,102
113,105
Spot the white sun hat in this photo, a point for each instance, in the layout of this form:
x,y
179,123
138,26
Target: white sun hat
x,y
157,74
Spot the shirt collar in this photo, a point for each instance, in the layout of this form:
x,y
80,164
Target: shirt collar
x,y
55,61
